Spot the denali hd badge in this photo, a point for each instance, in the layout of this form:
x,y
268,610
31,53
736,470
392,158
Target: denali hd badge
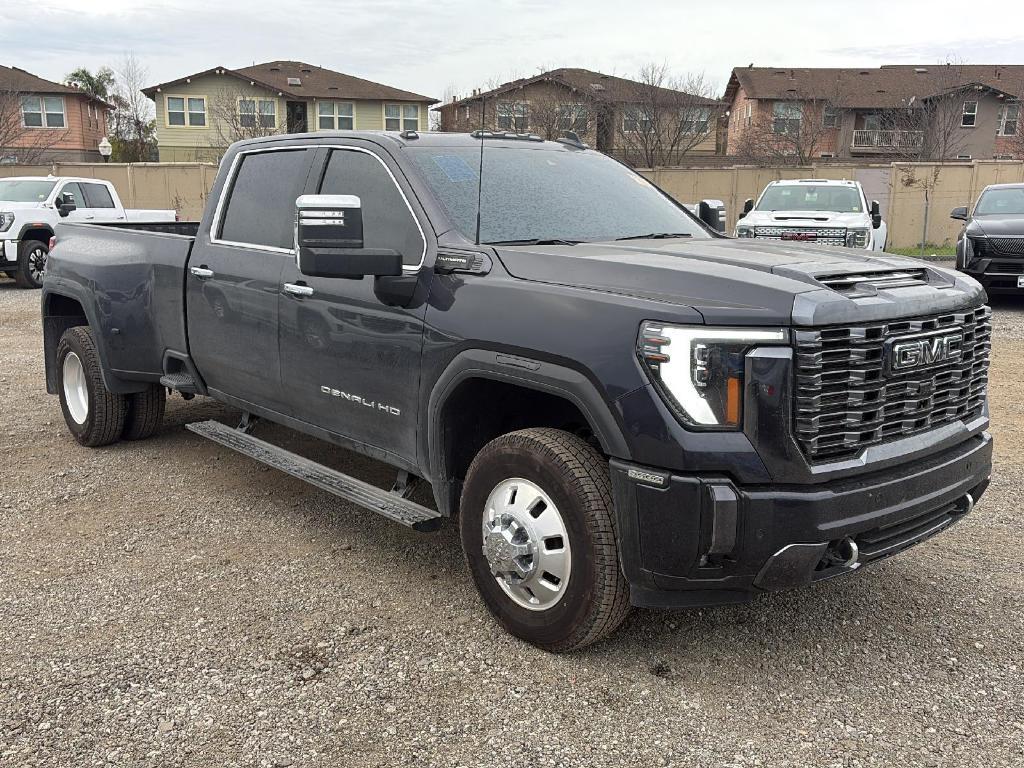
x,y
907,354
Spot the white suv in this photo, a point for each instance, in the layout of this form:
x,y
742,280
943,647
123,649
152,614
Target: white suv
x,y
823,211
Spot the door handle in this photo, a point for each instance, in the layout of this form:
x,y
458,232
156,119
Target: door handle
x,y
201,272
297,289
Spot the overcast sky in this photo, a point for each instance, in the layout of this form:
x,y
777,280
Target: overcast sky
x,y
446,46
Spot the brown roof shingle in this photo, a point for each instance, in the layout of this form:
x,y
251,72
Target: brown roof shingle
x,y
20,81
595,85
890,86
300,80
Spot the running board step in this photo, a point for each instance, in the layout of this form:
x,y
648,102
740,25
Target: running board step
x,y
389,504
181,382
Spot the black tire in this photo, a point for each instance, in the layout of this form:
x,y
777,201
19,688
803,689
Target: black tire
x,y
575,477
105,416
30,270
145,413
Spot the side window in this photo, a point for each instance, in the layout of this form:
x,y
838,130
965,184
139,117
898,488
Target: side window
x,y
75,190
98,196
261,204
387,220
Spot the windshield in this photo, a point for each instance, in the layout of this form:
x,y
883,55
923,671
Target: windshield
x,y
536,193
1006,202
808,197
25,190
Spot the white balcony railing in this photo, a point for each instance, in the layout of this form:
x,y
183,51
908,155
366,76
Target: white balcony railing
x,y
887,139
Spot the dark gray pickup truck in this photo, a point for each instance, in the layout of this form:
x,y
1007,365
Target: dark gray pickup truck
x,y
617,404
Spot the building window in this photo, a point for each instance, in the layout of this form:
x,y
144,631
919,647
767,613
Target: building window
x,y
636,119
963,157
186,111
1009,117
970,115
695,120
1003,157
43,111
830,117
512,117
335,115
786,116
827,155
261,112
571,117
748,116
401,117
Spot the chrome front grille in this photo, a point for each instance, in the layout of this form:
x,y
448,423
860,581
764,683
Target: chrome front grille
x,y
845,398
823,235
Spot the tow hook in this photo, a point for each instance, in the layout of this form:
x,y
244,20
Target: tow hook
x,y
843,553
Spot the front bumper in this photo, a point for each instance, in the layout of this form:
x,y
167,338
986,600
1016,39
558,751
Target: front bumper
x,y
8,251
688,541
997,275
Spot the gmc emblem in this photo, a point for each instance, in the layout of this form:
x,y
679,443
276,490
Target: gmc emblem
x,y
800,236
923,352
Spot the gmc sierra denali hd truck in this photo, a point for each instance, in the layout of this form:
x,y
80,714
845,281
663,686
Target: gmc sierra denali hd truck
x,y
619,405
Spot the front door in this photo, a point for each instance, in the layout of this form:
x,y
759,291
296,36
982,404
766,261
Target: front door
x,y
349,361
296,114
234,278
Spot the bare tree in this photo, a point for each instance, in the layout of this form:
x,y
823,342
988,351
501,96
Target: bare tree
x,y
236,114
132,121
20,140
664,116
942,120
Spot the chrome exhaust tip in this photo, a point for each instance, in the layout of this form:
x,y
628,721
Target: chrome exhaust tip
x,y
848,551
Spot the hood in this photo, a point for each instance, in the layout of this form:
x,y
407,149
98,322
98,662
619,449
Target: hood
x,y
805,218
750,282
997,226
6,205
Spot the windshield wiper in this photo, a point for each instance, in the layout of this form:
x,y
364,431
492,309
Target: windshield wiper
x,y
547,241
656,236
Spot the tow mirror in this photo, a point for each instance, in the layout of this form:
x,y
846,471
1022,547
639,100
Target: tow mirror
x,y
959,213
66,205
748,206
329,240
876,214
712,213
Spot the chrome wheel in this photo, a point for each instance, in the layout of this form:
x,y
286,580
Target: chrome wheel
x,y
37,263
526,544
76,389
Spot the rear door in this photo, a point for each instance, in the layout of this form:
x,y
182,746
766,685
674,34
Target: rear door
x,y
234,276
350,361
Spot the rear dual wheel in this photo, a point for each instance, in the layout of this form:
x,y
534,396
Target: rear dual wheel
x,y
537,527
94,415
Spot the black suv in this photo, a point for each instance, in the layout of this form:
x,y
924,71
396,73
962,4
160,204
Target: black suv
x,y
990,247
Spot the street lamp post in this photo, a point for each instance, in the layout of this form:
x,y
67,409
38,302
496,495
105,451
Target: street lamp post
x,y
106,149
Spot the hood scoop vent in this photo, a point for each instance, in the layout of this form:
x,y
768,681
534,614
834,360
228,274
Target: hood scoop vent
x,y
855,282
777,217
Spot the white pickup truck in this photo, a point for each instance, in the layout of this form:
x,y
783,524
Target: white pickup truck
x,y
31,205
821,211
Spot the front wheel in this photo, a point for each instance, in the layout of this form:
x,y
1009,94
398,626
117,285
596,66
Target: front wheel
x,y
31,264
537,527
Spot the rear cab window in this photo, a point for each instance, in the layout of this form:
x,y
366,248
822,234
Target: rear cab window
x,y
260,207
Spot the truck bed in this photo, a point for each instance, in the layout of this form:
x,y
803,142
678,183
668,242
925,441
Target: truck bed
x,y
136,271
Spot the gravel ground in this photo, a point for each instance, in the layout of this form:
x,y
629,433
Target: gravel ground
x,y
171,603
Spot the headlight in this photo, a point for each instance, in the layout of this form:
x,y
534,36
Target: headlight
x,y
6,220
857,238
700,371
744,230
